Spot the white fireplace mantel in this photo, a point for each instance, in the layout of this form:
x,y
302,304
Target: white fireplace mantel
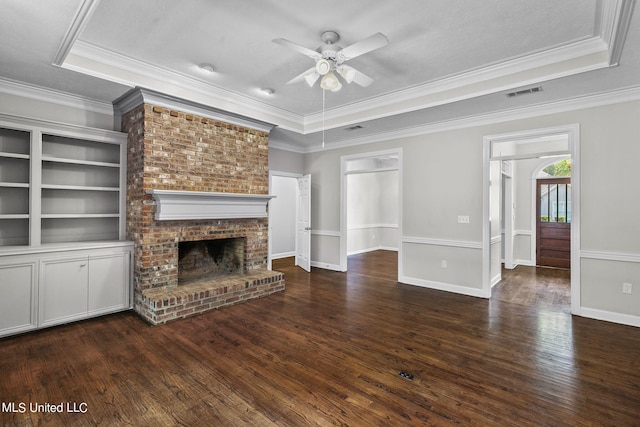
x,y
192,205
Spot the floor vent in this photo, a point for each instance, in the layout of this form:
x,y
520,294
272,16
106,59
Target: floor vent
x,y
405,375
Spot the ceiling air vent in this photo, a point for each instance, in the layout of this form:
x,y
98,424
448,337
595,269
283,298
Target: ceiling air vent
x,y
352,128
525,91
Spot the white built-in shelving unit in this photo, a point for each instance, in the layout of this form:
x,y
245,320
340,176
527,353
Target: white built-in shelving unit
x,y
62,205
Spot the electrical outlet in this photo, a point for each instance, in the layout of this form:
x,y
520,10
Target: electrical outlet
x,y
444,263
463,219
626,288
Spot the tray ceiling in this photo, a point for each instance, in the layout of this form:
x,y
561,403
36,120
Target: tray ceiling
x,y
440,54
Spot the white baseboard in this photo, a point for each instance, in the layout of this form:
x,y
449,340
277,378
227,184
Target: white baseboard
x,y
326,266
283,255
377,248
457,289
608,316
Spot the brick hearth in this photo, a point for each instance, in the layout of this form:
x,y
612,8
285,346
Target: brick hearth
x,y
170,149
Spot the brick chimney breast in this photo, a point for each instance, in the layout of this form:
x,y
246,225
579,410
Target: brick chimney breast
x,y
173,148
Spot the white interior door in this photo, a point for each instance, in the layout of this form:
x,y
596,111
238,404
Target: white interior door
x,y
303,223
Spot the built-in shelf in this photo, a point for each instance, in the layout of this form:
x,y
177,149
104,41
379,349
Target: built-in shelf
x,y
14,184
60,183
78,188
14,216
14,155
190,205
79,162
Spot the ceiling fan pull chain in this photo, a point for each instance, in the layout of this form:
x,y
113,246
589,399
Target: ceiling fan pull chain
x,y
323,93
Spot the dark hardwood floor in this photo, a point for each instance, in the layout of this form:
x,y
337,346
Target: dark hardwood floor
x,y
329,351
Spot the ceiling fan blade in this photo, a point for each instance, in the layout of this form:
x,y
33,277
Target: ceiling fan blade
x,y
373,42
310,76
350,74
300,49
362,79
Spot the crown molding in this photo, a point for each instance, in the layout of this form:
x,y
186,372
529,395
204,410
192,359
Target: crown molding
x,y
64,129
138,96
90,59
80,21
578,57
621,12
601,50
14,87
577,103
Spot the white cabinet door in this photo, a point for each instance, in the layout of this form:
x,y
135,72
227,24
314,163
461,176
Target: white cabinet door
x,y
17,298
108,283
63,290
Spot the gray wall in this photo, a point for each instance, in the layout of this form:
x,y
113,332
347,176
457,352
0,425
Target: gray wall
x,y
372,211
282,216
442,178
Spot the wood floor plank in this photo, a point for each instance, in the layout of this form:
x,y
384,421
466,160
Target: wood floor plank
x,y
329,351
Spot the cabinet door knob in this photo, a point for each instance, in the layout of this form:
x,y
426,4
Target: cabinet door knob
x,y
84,264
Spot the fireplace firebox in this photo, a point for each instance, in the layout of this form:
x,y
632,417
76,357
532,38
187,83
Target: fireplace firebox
x,y
203,260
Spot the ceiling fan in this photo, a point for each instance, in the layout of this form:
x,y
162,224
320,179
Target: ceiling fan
x,y
330,57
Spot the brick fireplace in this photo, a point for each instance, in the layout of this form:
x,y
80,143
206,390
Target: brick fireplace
x,y
196,178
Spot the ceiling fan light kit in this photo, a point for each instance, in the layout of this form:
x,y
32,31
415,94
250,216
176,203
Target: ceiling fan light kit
x,y
323,66
330,82
330,57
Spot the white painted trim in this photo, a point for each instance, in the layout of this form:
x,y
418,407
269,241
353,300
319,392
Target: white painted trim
x,y
373,249
610,256
448,287
326,233
573,57
283,255
615,18
555,107
442,242
16,88
368,226
526,262
138,96
496,279
270,256
573,133
522,233
343,200
190,205
326,266
62,129
609,316
410,97
86,57
80,20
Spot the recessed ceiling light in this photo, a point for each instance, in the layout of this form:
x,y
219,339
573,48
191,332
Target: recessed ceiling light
x,y
207,67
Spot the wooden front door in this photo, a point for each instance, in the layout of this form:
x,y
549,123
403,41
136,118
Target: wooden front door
x,y
553,229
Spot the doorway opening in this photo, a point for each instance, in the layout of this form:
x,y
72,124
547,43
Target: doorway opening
x,y
553,215
512,163
282,215
371,190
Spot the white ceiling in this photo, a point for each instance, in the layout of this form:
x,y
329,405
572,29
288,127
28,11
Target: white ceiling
x,y
445,59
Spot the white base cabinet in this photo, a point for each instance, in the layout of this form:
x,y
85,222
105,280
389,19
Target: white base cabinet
x,y
51,285
18,297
